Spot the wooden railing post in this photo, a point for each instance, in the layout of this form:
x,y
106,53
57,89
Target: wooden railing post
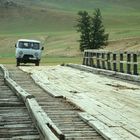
x,y
103,61
108,61
93,58
135,65
90,59
114,61
121,62
84,59
87,58
98,60
129,63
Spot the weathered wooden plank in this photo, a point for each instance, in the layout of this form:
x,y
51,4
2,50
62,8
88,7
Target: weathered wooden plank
x,y
109,133
27,137
65,119
113,102
46,88
14,118
41,124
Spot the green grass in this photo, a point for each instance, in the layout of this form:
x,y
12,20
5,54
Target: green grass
x,y
55,60
53,21
50,60
60,15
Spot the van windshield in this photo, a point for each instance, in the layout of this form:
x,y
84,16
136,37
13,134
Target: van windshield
x,y
29,45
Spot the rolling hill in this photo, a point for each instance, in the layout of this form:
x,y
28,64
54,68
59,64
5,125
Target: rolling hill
x,y
32,16
53,21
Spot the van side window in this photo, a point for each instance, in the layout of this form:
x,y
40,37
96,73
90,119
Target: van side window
x,y
21,45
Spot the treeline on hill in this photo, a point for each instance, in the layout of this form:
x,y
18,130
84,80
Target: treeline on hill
x,y
92,31
7,3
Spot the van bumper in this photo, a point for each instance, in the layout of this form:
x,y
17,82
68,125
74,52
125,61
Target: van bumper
x,y
27,60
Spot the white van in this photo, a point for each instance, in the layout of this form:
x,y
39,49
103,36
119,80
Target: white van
x,y
28,51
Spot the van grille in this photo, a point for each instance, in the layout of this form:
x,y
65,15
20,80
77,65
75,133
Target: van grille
x,y
28,56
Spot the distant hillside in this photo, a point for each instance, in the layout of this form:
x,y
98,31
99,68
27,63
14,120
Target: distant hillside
x,y
64,4
33,16
18,17
52,22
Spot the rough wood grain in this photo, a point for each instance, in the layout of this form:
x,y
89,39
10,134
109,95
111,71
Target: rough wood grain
x,y
114,102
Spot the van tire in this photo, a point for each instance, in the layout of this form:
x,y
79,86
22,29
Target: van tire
x,y
37,63
18,63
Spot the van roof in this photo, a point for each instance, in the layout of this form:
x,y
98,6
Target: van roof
x,y
28,40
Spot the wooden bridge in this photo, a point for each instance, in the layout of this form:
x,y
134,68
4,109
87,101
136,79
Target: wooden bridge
x,y
15,121
29,112
68,102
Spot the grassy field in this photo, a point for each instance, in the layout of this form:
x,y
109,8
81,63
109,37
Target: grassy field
x,y
52,22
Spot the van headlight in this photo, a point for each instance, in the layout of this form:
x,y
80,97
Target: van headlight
x,y
20,53
36,54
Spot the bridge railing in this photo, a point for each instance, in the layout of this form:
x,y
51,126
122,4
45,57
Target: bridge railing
x,y
119,61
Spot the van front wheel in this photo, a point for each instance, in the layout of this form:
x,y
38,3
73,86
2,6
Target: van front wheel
x,y
37,63
18,63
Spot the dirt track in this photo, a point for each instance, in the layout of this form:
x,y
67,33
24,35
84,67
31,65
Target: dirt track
x,y
129,44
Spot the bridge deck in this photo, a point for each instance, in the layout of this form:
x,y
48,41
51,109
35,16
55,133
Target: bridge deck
x,y
112,102
63,114
15,122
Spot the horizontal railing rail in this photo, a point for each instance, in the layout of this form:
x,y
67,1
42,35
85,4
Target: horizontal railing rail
x,y
124,62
